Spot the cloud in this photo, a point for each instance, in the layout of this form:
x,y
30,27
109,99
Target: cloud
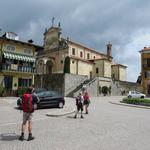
x,y
130,55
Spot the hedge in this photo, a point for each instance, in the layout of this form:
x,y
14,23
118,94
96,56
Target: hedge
x,y
137,101
21,91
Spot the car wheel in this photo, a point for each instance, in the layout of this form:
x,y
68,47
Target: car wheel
x,y
60,105
129,96
142,96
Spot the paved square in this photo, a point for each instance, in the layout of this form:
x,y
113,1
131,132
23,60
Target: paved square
x,y
107,127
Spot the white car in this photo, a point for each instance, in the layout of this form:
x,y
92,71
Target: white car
x,y
135,94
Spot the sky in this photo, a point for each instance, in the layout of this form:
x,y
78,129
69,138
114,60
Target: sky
x,y
93,23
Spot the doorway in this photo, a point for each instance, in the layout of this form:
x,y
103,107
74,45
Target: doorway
x,y
49,67
8,82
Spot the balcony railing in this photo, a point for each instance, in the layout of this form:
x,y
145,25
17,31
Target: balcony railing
x,y
17,68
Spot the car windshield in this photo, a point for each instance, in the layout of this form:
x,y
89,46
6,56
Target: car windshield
x,y
55,93
38,90
48,93
137,92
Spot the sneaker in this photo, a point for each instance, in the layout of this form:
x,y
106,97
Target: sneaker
x,y
30,137
21,138
75,117
82,117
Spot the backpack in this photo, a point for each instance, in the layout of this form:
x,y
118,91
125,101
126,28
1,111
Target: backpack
x,y
78,100
86,99
27,105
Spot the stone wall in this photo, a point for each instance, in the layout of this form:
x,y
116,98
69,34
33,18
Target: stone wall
x,y
51,82
91,87
123,87
67,83
72,81
128,86
64,83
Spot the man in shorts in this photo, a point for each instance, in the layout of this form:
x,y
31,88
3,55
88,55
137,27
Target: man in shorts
x,y
27,115
79,104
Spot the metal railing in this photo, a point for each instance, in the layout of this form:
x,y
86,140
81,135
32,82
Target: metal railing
x,y
86,83
18,69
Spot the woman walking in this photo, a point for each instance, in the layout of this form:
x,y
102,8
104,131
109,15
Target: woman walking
x,y
86,102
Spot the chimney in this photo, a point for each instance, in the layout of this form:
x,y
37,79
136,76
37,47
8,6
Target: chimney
x,y
109,49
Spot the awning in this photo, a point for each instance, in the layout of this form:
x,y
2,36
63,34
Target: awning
x,y
19,57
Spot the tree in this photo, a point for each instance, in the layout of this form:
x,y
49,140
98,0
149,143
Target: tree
x,y
105,90
67,65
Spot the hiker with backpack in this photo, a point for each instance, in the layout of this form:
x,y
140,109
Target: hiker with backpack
x,y
86,101
79,104
27,105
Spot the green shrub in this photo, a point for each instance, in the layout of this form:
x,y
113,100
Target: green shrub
x,y
137,101
105,90
21,91
67,65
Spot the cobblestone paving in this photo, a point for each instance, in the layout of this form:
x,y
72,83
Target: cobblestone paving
x,y
107,127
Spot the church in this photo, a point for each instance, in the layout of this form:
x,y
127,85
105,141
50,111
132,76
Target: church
x,y
61,55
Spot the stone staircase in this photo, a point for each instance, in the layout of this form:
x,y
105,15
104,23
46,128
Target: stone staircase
x,y
91,86
79,87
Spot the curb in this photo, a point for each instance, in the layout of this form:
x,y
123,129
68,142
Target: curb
x,y
129,105
58,115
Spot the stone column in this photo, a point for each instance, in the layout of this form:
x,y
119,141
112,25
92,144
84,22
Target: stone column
x,y
44,66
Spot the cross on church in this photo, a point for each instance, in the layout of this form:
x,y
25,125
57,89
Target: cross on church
x,y
53,21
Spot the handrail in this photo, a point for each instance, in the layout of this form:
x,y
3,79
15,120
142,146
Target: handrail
x,y
85,78
85,85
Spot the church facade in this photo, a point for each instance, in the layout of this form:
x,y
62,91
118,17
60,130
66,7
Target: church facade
x,y
62,55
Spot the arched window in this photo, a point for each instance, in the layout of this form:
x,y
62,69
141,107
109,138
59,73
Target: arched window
x,y
81,54
40,67
49,67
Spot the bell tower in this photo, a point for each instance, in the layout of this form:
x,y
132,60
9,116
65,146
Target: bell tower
x,y
52,37
109,49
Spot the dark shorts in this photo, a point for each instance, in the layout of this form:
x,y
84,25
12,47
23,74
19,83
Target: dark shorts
x,y
80,107
86,102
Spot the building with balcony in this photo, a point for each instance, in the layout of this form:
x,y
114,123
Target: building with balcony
x,y
17,62
145,70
